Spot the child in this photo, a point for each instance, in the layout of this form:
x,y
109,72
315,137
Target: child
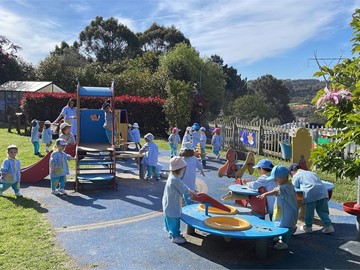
x,y
10,172
129,134
108,124
66,134
135,132
216,141
203,141
315,196
35,134
151,157
59,167
286,206
174,141
187,136
195,133
46,135
192,163
171,203
264,167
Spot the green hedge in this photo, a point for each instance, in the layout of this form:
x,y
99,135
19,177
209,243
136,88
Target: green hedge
x,y
146,111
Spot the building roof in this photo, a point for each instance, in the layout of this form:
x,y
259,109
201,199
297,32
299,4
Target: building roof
x,y
29,86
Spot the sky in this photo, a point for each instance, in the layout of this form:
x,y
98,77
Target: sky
x,y
257,37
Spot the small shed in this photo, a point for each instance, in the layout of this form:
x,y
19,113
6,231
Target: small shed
x,y
12,91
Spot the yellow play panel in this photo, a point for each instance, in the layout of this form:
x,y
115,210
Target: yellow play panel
x,y
227,223
214,210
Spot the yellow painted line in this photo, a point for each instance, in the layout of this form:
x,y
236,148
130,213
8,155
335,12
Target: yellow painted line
x,y
110,223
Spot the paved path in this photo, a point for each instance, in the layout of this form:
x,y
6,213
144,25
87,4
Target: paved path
x,y
106,229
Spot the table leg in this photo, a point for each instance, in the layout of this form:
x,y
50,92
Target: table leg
x,y
261,248
141,169
190,230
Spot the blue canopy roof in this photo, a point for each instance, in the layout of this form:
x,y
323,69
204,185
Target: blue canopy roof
x,y
87,91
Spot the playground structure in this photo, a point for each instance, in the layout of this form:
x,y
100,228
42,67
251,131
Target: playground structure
x,y
96,161
96,157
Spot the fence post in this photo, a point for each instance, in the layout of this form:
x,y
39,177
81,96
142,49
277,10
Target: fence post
x,y
233,123
259,139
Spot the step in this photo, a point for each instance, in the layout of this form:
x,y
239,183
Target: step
x,y
95,162
95,176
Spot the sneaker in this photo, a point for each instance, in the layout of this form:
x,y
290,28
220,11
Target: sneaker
x,y
306,229
294,229
329,229
55,192
218,156
178,240
62,192
277,239
281,245
18,195
158,179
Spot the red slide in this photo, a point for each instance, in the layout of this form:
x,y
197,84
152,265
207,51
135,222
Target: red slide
x,y
204,198
39,170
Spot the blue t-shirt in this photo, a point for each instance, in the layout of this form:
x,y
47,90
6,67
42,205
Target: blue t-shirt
x,y
151,156
171,201
311,185
286,206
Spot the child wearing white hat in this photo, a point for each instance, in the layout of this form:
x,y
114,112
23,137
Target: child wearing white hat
x,y
135,132
151,157
46,135
187,137
10,172
171,203
192,163
65,133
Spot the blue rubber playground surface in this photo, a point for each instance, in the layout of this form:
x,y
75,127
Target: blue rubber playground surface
x,y
103,228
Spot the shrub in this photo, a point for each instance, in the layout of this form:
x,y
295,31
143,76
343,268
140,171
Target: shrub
x,y
146,111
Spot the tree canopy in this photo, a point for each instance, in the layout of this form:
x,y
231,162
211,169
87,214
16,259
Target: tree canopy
x,y
108,40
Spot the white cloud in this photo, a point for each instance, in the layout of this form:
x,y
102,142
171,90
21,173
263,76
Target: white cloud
x,y
243,31
254,29
36,37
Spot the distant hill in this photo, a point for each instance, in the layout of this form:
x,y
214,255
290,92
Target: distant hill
x,y
304,90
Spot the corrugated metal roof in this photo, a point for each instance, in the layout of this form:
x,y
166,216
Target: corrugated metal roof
x,y
26,86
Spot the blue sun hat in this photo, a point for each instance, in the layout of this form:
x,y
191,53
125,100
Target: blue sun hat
x,y
196,126
264,164
278,171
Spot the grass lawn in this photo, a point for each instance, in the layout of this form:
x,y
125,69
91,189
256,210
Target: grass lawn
x,y
26,239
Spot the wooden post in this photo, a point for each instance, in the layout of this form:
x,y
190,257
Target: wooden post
x,y
259,141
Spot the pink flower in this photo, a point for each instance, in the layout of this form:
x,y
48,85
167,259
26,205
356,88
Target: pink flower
x,y
333,96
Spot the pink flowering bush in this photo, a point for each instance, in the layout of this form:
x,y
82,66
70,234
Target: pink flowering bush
x,y
333,96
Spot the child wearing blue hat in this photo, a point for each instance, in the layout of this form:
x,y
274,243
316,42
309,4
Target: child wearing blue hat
x,y
264,167
195,133
286,206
